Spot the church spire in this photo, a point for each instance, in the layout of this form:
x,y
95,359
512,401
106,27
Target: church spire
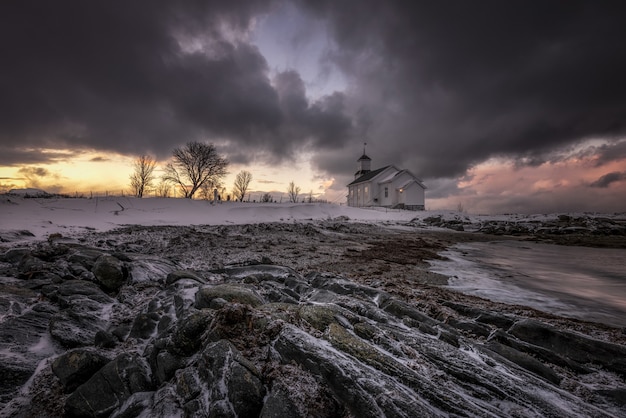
x,y
365,163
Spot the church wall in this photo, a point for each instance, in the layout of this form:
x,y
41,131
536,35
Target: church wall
x,y
414,196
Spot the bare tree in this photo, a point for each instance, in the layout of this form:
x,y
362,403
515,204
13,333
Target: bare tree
x,y
266,198
143,174
242,181
163,189
293,191
194,165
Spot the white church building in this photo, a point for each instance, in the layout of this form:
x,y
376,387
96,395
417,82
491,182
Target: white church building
x,y
386,187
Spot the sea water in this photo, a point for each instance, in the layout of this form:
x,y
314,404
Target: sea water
x,y
577,282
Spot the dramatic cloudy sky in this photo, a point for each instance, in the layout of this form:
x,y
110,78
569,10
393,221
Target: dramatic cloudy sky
x,y
501,106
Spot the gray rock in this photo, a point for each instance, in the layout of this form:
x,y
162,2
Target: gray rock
x,y
110,387
281,403
105,339
137,404
167,404
85,257
540,353
75,367
478,330
401,309
233,381
69,292
144,325
110,272
188,383
83,303
14,255
21,332
166,366
360,388
524,360
573,346
186,338
177,275
73,331
229,292
29,264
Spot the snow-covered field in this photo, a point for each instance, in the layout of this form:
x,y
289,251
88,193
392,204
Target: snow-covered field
x,y
68,216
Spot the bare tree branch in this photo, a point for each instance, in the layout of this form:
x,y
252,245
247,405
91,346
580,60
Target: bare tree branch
x,y
242,181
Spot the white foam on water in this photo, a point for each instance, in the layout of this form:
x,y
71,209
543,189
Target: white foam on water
x,y
584,283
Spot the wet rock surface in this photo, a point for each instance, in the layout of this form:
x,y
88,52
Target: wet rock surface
x,y
293,320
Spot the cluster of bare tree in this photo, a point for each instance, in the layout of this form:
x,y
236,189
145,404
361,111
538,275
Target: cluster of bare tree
x,y
195,168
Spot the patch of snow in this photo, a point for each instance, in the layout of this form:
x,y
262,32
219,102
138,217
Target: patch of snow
x,y
44,347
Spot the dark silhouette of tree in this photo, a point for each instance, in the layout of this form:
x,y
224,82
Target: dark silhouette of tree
x,y
242,181
143,174
266,198
194,165
293,191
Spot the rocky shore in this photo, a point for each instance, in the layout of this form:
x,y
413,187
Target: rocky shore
x,y
322,318
583,230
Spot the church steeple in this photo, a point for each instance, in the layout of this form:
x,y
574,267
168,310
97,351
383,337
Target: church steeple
x,y
365,164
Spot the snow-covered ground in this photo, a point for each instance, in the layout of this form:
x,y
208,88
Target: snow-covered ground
x,y
35,211
68,216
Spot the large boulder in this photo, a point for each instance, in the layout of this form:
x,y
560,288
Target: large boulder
x,y
229,292
186,338
110,387
110,272
84,307
75,367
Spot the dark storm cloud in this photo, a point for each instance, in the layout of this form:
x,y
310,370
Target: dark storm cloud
x,y
609,178
143,76
451,83
10,156
434,87
320,124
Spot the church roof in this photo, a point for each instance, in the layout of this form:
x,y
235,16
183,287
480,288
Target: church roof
x,y
364,157
369,175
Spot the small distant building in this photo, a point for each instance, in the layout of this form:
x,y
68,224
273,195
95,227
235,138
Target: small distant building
x,y
387,187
